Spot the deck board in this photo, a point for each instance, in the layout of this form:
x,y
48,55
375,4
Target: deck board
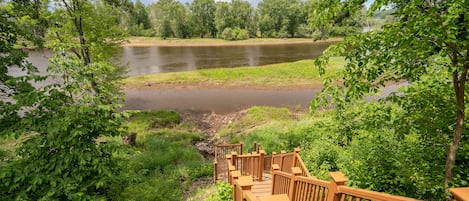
x,y
264,187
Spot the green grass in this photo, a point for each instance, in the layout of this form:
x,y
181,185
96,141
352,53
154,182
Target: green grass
x,y
266,125
290,74
164,164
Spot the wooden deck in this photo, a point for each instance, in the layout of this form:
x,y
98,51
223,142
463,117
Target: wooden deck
x,y
259,189
286,178
264,187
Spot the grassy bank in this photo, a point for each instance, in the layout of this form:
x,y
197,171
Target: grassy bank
x,y
300,74
163,165
155,41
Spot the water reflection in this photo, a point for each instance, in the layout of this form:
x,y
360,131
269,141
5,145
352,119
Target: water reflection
x,y
148,60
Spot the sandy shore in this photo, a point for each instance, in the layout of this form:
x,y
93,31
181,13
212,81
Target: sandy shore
x,y
148,42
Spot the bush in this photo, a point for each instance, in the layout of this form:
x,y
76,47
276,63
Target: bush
x,y
224,192
235,34
227,34
162,169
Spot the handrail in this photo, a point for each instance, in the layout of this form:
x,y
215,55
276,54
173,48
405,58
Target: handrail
x,y
220,152
354,193
296,183
299,163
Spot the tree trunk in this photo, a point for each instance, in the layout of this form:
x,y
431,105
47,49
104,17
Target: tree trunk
x,y
459,81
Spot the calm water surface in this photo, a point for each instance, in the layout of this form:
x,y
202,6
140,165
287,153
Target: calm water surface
x,y
148,60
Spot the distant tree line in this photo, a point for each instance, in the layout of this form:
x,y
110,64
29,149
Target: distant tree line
x,y
234,20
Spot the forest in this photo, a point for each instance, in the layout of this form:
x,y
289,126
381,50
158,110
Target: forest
x,y
61,131
234,20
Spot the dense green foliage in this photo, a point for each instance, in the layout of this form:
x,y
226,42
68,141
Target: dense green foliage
x,y
208,18
224,192
381,145
60,123
163,165
426,37
235,34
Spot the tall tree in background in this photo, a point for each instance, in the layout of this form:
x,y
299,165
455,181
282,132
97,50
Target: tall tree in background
x,y
140,15
171,19
279,18
234,14
203,12
242,12
427,35
223,17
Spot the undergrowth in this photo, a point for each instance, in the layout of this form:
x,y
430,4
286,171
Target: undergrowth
x,y
164,163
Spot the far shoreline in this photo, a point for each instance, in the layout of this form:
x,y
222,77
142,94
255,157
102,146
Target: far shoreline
x,y
211,42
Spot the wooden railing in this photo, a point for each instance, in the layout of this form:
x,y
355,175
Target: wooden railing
x,y
291,181
221,150
242,189
460,194
300,188
248,165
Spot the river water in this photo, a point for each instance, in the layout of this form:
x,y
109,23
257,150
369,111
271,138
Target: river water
x,y
149,60
146,60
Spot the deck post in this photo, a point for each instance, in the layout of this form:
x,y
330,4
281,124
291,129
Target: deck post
x,y
241,148
215,171
296,153
296,171
215,148
272,161
228,167
282,155
275,168
261,164
235,176
255,147
234,158
243,183
337,179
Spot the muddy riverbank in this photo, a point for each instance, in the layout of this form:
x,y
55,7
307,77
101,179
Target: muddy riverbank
x,y
212,100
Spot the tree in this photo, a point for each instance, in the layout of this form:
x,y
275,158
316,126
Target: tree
x,y
62,155
141,15
339,23
242,14
170,18
279,18
203,12
223,17
427,36
236,14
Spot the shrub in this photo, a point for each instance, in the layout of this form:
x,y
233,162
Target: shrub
x,y
234,34
161,170
227,34
224,192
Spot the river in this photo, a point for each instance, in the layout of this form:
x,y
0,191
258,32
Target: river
x,y
148,60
